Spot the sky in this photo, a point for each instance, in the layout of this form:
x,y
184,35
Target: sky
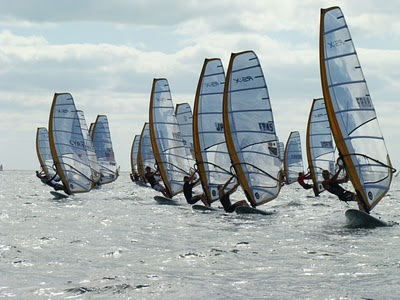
x,y
106,54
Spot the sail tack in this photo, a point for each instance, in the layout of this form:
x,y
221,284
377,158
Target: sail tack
x,y
293,159
319,144
350,110
104,150
166,139
67,145
250,129
212,157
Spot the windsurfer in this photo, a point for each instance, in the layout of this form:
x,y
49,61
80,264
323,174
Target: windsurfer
x,y
306,186
52,182
331,184
134,176
187,191
150,177
224,196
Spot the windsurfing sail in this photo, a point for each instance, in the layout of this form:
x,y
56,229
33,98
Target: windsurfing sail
x,y
293,159
212,157
319,144
104,150
250,130
145,155
166,139
94,165
43,152
134,154
67,145
184,116
350,110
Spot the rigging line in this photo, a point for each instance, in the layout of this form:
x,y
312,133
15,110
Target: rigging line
x,y
215,165
257,168
79,172
165,162
373,159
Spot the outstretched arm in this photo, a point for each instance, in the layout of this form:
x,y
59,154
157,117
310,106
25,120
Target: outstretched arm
x,y
227,183
233,189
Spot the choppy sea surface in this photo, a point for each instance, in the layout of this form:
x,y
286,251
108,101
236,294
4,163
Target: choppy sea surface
x,y
117,242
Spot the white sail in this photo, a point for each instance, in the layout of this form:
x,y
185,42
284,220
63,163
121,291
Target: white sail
x,y
104,150
134,154
351,112
319,144
184,116
293,159
250,130
212,157
43,152
166,139
145,155
67,145
94,165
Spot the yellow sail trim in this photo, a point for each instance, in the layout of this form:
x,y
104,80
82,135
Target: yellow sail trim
x,y
154,145
340,143
53,147
196,141
42,164
228,137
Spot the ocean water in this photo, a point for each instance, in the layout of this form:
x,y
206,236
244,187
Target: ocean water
x,y
118,243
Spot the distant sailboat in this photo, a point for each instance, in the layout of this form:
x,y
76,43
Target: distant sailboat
x,y
319,144
293,158
350,110
101,138
250,129
67,145
166,139
134,154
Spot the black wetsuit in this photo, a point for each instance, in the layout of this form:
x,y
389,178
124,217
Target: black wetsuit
x,y
187,191
226,203
150,179
337,190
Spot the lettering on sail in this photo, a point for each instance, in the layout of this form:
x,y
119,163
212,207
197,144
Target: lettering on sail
x,y
335,43
364,102
266,126
326,144
211,84
177,135
219,126
243,79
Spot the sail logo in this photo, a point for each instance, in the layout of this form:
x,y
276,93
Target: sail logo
x,y
219,126
370,195
257,195
160,99
62,111
177,135
364,102
295,156
211,84
326,144
78,144
335,43
266,126
243,79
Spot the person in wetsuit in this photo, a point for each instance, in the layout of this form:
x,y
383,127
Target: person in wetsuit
x,y
331,184
52,182
134,177
224,196
187,191
150,177
306,186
